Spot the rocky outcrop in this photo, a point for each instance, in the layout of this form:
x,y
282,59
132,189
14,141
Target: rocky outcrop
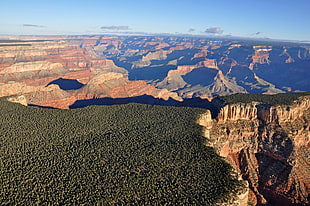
x,y
18,99
146,59
32,66
160,54
97,66
16,88
27,69
117,85
223,85
256,67
261,55
31,70
82,76
282,114
174,79
51,96
268,145
240,111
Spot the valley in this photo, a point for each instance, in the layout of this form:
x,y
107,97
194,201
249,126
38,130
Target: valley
x,y
189,102
162,67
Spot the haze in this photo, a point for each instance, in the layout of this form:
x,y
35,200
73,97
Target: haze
x,y
276,19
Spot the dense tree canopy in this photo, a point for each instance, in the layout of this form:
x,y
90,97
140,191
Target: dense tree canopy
x,y
108,155
277,99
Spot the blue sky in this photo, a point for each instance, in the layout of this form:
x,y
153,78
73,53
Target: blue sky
x,y
277,19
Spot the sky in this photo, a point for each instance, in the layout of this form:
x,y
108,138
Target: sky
x,y
275,19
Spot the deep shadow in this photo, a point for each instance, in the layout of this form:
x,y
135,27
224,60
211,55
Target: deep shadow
x,y
67,84
274,165
150,73
295,76
44,107
201,76
147,99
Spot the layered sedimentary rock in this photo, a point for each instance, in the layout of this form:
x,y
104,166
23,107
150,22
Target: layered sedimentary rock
x,y
250,67
256,67
147,58
174,79
31,70
51,96
16,88
261,55
117,85
28,68
268,145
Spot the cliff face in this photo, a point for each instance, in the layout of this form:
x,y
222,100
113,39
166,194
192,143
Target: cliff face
x,y
191,67
175,80
248,67
268,145
117,85
29,68
51,96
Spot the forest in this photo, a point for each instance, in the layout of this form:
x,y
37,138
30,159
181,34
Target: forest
x,y
273,100
130,154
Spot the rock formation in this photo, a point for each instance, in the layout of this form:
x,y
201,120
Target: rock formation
x,y
29,68
117,85
268,145
248,67
18,99
51,96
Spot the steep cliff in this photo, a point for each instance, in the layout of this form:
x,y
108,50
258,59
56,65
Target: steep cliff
x,y
175,80
246,66
32,68
268,145
51,96
117,85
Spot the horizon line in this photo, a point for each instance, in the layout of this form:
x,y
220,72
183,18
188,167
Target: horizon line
x,y
166,35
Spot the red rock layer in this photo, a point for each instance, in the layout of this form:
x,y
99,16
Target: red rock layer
x,y
268,146
29,69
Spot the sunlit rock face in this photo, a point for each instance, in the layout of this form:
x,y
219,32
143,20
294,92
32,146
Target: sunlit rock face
x,y
208,67
268,145
30,68
187,67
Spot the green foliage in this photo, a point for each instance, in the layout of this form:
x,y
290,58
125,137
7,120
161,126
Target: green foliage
x,y
108,155
4,45
10,41
277,99
4,42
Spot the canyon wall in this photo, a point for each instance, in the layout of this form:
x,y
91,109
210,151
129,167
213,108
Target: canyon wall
x,y
190,67
30,68
269,147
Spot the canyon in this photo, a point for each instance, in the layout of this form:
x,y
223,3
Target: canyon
x,y
29,69
163,67
267,145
